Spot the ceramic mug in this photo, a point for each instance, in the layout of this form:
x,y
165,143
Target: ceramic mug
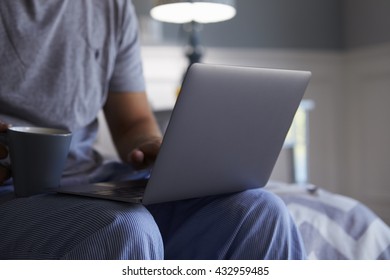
x,y
37,157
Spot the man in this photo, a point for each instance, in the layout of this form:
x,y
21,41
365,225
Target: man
x,y
62,61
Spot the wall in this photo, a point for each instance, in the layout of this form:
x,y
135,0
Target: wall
x,y
367,155
366,23
367,98
303,24
308,24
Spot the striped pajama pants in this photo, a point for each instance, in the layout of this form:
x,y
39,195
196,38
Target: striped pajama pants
x,y
253,224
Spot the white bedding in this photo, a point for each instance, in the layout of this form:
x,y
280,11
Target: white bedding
x,y
334,226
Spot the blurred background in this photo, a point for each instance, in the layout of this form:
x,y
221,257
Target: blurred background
x,y
343,134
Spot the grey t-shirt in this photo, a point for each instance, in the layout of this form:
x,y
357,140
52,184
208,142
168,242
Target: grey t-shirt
x,y
58,61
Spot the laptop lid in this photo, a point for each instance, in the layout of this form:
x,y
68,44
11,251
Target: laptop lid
x,y
226,131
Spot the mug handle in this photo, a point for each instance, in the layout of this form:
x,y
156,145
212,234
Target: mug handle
x,y
3,137
4,141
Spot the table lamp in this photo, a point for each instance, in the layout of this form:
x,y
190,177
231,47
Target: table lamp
x,y
194,13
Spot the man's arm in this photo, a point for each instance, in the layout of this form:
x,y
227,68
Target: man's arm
x,y
134,130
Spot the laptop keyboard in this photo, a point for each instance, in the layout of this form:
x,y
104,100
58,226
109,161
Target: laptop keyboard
x,y
121,189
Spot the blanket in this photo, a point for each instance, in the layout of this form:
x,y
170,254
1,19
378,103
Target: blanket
x,y
334,226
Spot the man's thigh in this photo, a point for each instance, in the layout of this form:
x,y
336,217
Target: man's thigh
x,y
61,226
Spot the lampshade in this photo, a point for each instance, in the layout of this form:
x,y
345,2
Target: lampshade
x,y
202,11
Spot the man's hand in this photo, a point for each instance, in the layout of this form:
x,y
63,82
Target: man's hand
x,y
145,154
5,173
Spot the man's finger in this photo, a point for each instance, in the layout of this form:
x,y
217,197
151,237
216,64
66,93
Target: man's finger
x,y
3,127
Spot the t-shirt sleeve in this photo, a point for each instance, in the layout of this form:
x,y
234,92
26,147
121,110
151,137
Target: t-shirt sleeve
x,y
127,75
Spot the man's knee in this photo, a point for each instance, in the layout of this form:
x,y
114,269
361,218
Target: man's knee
x,y
127,233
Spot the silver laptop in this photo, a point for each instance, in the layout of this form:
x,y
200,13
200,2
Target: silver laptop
x,y
224,136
